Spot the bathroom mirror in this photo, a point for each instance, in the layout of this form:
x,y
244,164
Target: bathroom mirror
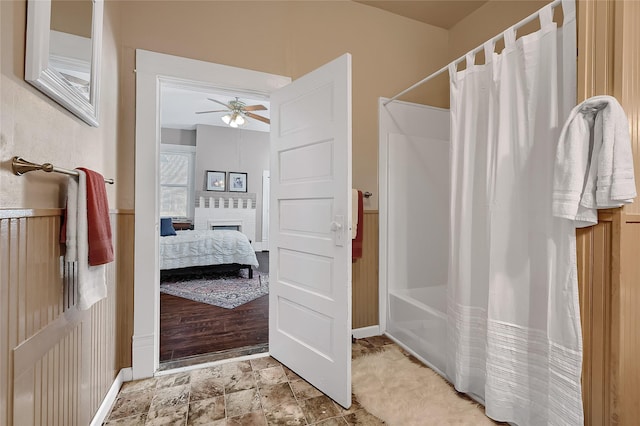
x,y
64,38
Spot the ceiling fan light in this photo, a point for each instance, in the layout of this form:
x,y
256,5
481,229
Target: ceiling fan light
x,y
234,119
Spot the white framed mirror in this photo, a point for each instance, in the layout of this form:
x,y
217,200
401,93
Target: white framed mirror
x,y
64,39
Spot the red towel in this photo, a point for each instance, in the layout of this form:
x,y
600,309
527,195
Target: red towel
x,y
356,243
99,226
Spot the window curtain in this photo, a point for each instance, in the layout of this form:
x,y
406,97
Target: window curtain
x,y
513,318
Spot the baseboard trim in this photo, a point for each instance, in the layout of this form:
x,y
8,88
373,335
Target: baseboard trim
x,y
361,333
145,359
125,375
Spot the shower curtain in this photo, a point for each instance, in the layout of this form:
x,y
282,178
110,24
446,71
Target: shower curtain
x,y
513,319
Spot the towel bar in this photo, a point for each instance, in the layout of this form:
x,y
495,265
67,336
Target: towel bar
x,y
21,166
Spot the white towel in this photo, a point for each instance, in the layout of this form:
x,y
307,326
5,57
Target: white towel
x,y
594,162
616,182
354,213
92,285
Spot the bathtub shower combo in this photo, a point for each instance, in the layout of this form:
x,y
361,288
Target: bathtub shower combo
x,y
417,231
477,275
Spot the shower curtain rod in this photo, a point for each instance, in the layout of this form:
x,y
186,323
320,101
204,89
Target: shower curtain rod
x,y
523,22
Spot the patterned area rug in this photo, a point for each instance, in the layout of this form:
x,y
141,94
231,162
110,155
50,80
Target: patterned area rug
x,y
224,291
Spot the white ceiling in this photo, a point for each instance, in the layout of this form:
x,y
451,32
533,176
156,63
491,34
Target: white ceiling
x,y
178,106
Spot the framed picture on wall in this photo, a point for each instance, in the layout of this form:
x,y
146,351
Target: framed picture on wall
x,y
237,182
215,181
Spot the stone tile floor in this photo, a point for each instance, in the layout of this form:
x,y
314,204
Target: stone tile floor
x,y
257,392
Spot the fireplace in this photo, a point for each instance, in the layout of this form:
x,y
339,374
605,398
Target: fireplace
x,y
225,224
225,227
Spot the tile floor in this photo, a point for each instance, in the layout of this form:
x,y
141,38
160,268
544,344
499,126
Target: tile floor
x,y
257,392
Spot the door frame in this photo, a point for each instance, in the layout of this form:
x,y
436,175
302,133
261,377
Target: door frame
x,y
153,69
266,176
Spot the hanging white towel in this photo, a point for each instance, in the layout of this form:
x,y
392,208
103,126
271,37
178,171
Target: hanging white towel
x,y
594,163
92,284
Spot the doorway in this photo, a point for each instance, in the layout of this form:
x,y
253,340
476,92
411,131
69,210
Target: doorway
x,y
153,70
213,311
310,211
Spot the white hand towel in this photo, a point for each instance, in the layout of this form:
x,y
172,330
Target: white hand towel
x,y
571,167
616,183
71,221
594,162
92,285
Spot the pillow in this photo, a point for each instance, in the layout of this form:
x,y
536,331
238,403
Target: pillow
x,y
166,227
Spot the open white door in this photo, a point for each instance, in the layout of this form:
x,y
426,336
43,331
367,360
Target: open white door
x,y
310,235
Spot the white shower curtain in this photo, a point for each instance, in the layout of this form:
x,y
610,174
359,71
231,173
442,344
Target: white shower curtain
x,y
514,337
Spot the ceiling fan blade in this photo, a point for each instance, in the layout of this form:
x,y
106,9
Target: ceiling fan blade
x,y
207,112
257,117
255,108
221,103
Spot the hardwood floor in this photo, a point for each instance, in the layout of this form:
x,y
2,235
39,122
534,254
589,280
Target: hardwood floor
x,y
189,328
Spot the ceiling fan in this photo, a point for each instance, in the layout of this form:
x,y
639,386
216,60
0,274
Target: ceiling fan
x,y
237,111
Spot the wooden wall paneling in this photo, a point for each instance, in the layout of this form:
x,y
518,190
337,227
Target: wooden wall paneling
x,y
616,375
17,280
584,245
596,26
124,275
57,363
365,276
594,266
626,352
627,75
6,339
47,383
629,393
598,248
609,63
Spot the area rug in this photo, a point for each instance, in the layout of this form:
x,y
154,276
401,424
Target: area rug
x,y
402,392
224,291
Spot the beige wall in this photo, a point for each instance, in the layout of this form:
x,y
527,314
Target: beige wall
x,y
287,38
481,25
291,39
487,21
80,366
35,127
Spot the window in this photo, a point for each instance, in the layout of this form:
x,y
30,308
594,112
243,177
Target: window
x,y
176,181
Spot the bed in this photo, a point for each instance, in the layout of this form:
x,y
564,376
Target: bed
x,y
206,249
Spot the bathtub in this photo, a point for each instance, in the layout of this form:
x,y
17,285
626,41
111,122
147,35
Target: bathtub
x,y
417,321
